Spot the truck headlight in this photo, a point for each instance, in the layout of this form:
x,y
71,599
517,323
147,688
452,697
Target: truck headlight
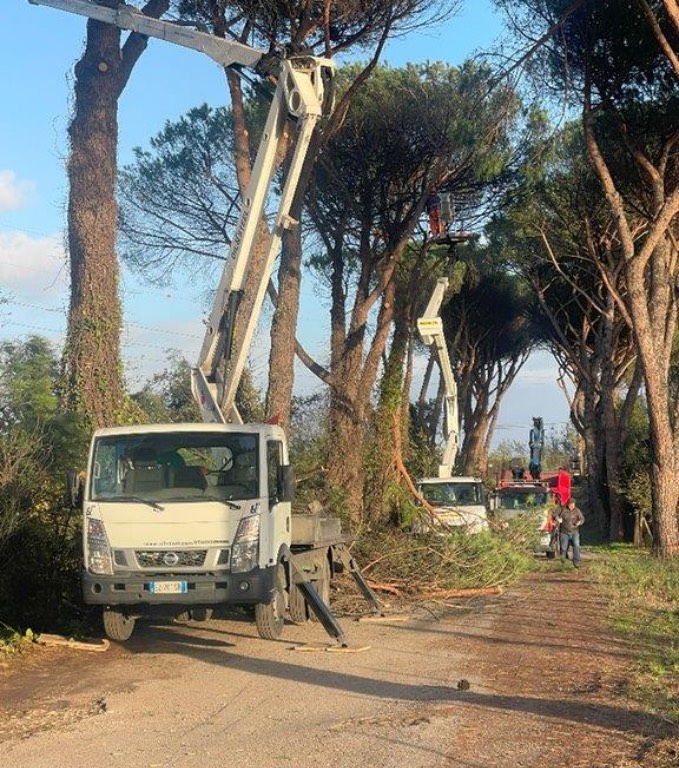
x,y
245,550
98,549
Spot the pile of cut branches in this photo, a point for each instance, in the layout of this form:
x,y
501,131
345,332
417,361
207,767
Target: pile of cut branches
x,y
404,564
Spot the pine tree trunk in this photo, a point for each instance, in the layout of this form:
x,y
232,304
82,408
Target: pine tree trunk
x,y
283,329
665,490
92,383
92,367
345,461
382,466
613,455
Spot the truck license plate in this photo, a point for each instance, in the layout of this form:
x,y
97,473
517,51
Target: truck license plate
x,y
168,587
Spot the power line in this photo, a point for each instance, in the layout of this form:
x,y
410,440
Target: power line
x,y
130,323
32,327
16,303
163,330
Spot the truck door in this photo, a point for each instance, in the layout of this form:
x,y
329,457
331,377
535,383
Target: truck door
x,y
280,511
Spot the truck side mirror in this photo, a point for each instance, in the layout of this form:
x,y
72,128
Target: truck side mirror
x,y
286,483
74,489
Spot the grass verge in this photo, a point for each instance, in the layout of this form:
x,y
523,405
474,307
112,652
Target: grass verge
x,y
643,592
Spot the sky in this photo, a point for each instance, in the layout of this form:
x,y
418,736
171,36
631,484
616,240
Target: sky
x,y
38,48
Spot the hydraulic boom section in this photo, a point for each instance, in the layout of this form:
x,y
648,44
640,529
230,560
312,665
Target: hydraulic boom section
x,y
430,328
224,52
304,94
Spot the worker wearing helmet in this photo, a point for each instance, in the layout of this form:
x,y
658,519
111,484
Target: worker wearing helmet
x,y
433,206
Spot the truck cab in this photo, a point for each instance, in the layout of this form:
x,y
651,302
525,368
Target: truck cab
x,y
458,502
181,515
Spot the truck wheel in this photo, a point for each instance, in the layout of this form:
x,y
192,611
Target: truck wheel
x,y
118,625
551,554
270,617
322,585
201,614
297,608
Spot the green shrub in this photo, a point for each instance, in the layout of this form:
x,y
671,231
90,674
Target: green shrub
x,y
12,641
40,587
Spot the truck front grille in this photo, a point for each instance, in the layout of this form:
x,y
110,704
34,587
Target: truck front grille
x,y
171,558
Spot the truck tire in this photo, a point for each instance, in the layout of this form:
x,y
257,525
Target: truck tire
x,y
322,584
270,617
297,608
201,614
117,624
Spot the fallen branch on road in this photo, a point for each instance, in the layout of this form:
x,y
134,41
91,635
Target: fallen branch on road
x,y
69,642
383,587
480,592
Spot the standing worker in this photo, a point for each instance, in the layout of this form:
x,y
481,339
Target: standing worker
x,y
570,520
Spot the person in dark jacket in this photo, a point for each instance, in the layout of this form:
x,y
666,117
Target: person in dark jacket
x,y
570,521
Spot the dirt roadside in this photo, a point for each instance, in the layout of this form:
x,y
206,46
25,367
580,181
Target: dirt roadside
x,y
530,678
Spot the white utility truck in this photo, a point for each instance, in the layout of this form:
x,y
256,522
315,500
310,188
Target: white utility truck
x,y
458,502
185,517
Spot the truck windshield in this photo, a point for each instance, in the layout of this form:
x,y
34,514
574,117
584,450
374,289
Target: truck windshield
x,y
459,494
175,466
518,500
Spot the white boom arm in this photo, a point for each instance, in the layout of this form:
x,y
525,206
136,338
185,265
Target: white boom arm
x,y
304,93
224,52
430,328
300,93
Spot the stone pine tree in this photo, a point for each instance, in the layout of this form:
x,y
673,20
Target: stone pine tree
x,y
324,29
92,380
609,56
489,335
558,232
406,131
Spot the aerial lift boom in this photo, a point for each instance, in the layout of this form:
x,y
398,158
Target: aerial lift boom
x,y
456,501
303,93
430,328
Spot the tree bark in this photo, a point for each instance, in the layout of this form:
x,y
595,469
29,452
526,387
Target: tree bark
x,y
92,355
390,410
651,277
92,370
350,401
283,328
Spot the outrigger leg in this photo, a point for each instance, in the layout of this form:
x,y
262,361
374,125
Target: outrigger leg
x,y
345,558
320,609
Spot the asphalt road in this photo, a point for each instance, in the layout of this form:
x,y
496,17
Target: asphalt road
x,y
214,693
531,678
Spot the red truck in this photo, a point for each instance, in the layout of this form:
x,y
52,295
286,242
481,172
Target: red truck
x,y
517,493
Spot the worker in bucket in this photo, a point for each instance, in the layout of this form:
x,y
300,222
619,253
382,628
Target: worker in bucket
x,y
433,208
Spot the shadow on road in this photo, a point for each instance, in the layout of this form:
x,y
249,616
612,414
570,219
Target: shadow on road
x,y
217,651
